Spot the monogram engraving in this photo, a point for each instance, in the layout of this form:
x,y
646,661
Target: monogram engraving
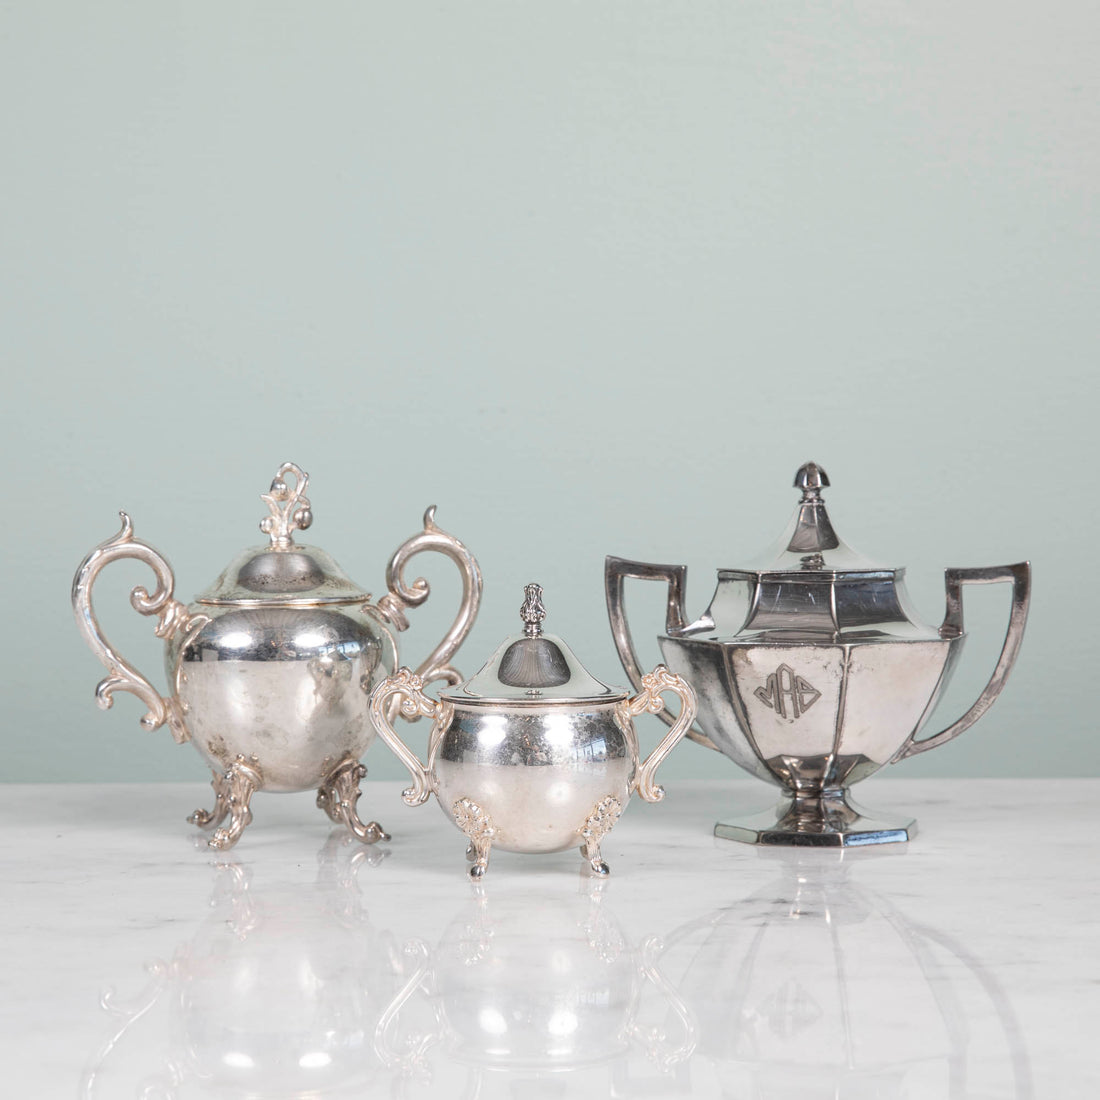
x,y
787,693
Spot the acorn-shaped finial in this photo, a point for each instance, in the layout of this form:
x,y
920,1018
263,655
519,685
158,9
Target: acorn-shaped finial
x,y
811,479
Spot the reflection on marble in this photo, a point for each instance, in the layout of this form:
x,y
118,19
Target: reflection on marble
x,y
277,993
141,967
520,991
789,988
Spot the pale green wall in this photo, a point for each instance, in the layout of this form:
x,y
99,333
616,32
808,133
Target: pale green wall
x,y
591,277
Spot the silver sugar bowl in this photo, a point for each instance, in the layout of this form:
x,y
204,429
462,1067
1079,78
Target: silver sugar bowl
x,y
271,667
533,754
812,672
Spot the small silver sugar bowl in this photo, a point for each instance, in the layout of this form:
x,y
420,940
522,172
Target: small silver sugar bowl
x,y
813,671
533,754
270,668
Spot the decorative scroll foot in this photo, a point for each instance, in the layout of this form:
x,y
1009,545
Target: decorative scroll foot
x,y
338,796
209,819
239,783
596,864
599,824
476,824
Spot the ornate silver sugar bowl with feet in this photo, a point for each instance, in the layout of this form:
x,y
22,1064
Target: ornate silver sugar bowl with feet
x,y
270,668
812,672
533,754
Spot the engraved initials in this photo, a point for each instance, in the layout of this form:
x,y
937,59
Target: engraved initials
x,y
787,691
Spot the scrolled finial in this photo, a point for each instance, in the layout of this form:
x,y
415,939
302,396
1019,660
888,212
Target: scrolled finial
x,y
290,508
532,612
811,479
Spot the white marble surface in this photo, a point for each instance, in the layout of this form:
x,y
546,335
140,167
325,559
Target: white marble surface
x,y
964,965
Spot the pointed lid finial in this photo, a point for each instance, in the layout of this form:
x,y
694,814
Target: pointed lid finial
x,y
532,669
811,479
813,532
532,612
810,544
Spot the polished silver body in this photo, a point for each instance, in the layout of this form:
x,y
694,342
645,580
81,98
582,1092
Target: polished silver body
x,y
270,670
539,774
812,672
532,754
282,684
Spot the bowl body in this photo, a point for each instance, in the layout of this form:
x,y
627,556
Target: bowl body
x,y
284,687
813,716
537,774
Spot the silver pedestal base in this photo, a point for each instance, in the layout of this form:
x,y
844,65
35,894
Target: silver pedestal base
x,y
826,821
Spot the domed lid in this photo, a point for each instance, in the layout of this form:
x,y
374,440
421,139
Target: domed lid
x,y
532,669
284,572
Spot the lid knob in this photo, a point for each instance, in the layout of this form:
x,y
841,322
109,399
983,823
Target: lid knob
x,y
812,531
290,508
532,612
811,479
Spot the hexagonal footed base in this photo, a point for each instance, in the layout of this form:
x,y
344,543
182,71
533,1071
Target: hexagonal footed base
x,y
825,821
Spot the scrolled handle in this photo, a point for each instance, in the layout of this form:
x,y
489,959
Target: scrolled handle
x,y
411,1058
952,627
649,699
655,1040
401,595
616,570
171,614
409,687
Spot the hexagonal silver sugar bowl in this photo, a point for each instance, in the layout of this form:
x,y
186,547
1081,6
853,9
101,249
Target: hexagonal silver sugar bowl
x,y
811,671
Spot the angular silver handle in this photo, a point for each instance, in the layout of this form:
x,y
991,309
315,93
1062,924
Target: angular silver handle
x,y
952,627
616,570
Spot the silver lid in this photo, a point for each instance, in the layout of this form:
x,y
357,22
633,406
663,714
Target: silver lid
x,y
813,585
533,669
810,544
284,572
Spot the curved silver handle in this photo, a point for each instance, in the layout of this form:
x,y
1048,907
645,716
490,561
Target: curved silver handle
x,y
616,570
416,1046
655,1041
161,974
392,606
952,627
172,616
649,699
409,688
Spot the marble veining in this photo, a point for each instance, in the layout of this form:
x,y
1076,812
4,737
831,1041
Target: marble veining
x,y
963,966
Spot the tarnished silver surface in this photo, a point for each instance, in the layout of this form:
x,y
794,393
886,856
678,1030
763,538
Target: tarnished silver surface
x,y
827,820
811,671
271,668
532,768
338,797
